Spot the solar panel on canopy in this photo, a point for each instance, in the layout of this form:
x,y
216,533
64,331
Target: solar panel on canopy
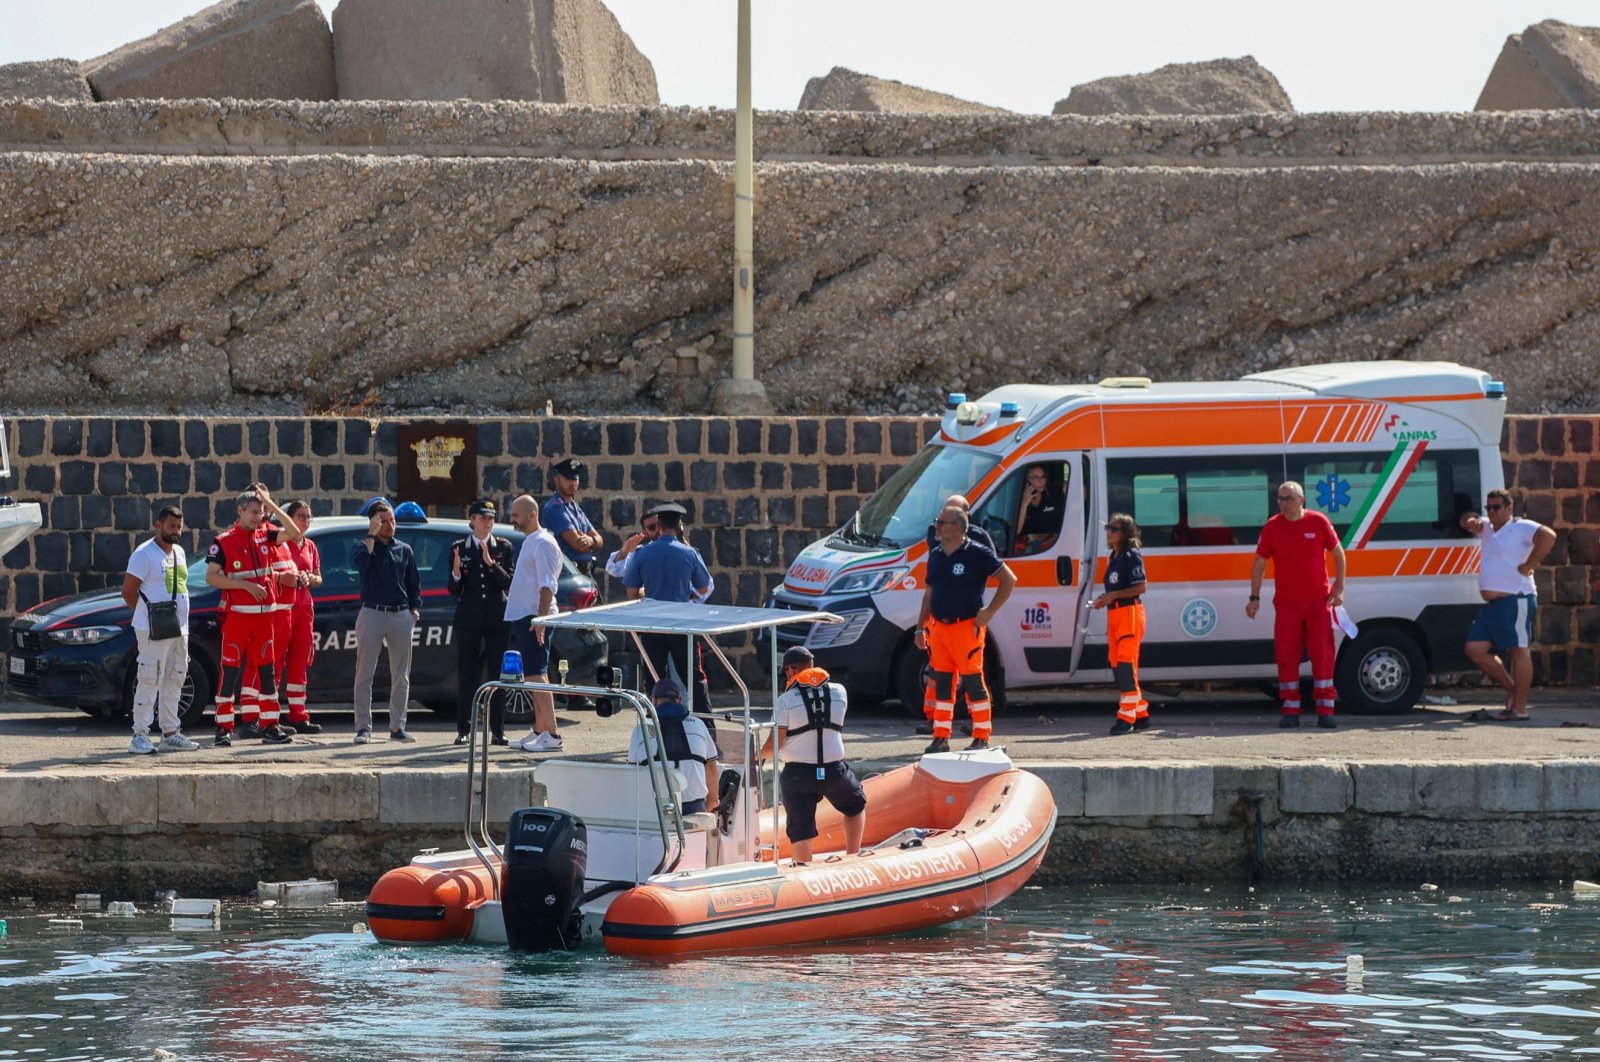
x,y
672,617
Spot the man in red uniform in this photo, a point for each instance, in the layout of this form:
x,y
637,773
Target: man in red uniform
x,y
285,584
302,642
1296,541
239,564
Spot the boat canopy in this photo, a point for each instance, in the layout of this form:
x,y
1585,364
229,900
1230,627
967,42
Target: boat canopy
x,y
645,616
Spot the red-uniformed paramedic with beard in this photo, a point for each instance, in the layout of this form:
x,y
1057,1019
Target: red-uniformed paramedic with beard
x,y
1296,541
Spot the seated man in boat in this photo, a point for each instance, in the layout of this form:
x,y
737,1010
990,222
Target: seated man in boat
x,y
809,721
690,748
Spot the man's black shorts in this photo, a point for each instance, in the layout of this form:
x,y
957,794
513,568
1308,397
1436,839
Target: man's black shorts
x,y
803,790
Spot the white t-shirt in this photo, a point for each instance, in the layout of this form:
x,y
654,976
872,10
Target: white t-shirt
x,y
158,573
538,565
693,771
791,713
1502,552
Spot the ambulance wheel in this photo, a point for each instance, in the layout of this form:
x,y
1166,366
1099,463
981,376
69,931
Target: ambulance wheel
x,y
910,679
1380,671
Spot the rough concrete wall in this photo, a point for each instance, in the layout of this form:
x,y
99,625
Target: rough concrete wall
x,y
758,491
1550,64
320,281
1221,86
53,79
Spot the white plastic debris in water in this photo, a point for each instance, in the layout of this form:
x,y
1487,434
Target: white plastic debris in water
x,y
163,1055
121,909
1428,886
1355,969
66,923
211,909
87,901
359,927
298,895
1585,888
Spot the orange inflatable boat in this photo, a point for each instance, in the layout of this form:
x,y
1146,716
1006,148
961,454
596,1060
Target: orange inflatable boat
x,y
946,838
612,857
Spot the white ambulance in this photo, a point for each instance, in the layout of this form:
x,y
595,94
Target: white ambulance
x,y
1391,451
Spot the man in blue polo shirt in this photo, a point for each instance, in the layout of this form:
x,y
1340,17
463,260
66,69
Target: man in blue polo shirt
x,y
954,623
564,518
670,569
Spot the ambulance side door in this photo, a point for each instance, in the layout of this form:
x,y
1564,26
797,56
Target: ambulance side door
x,y
1039,631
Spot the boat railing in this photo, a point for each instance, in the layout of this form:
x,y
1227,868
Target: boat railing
x,y
475,828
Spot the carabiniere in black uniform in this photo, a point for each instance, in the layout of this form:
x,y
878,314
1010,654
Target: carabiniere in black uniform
x,y
480,626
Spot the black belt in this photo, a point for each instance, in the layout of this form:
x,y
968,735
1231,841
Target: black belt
x,y
388,608
948,622
1124,603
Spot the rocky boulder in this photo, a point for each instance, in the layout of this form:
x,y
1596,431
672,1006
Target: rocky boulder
x,y
50,79
1548,66
247,49
556,51
845,90
1221,86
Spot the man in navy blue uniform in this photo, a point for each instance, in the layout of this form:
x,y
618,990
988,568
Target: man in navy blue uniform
x,y
670,569
982,538
954,623
564,518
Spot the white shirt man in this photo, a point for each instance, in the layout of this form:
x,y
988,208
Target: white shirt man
x,y
158,572
533,593
1510,548
699,769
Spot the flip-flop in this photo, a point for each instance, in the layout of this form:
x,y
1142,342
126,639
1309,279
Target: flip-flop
x,y
1508,717
1482,715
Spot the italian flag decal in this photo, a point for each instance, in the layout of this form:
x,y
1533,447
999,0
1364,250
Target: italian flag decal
x,y
1395,472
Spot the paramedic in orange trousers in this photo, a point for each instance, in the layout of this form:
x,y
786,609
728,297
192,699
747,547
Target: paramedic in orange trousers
x,y
285,585
954,624
1124,586
1296,541
982,538
302,643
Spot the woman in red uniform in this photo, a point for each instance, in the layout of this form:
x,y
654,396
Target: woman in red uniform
x,y
1124,586
302,643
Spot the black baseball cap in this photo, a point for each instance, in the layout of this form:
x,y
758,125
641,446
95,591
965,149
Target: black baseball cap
x,y
797,656
571,468
481,507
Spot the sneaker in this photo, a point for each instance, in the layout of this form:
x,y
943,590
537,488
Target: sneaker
x,y
1141,723
363,736
499,739
275,735
223,739
1289,722
545,742
938,744
252,729
525,740
177,742
140,745
978,744
1326,722
1121,726
400,735
461,739
304,726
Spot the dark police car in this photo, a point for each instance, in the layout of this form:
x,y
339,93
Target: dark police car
x,y
79,651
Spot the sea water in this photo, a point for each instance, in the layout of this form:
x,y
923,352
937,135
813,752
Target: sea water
x,y
1101,973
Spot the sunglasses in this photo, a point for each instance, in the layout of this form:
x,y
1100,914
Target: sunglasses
x,y
1493,507
1115,527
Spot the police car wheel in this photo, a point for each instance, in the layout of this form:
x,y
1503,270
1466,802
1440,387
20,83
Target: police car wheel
x,y
1381,671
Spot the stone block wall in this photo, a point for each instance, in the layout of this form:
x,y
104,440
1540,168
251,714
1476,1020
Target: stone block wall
x,y
757,490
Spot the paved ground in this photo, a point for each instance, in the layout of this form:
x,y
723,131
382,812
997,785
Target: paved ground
x,y
1229,726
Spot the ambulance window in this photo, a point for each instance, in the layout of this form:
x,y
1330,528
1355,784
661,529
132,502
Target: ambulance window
x,y
901,510
1428,504
1195,501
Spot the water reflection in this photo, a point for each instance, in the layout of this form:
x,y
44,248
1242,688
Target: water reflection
x,y
1096,973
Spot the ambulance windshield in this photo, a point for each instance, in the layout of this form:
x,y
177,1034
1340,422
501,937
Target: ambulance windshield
x,y
901,511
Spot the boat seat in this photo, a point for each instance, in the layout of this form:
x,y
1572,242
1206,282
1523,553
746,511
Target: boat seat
x,y
603,793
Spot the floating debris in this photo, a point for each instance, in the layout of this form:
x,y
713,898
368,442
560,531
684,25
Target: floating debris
x,y
298,895
87,901
66,923
1585,888
1428,886
211,909
121,909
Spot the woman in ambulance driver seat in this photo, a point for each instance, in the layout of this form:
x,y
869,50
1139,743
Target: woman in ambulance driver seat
x,y
1039,517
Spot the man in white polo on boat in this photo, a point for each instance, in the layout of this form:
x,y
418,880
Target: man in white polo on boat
x,y
690,748
809,721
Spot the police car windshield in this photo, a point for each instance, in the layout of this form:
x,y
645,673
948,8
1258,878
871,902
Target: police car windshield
x,y
901,510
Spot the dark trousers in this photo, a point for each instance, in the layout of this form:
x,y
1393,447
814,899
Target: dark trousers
x,y
480,643
660,647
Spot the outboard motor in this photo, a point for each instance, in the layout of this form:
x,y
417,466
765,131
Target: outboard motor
x,y
546,855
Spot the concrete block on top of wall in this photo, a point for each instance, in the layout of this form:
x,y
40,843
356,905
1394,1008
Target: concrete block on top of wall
x,y
1572,785
1510,786
77,800
1315,789
433,797
1445,786
1066,786
1383,788
287,795
1136,790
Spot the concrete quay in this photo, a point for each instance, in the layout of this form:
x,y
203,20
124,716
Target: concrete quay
x,y
1213,793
